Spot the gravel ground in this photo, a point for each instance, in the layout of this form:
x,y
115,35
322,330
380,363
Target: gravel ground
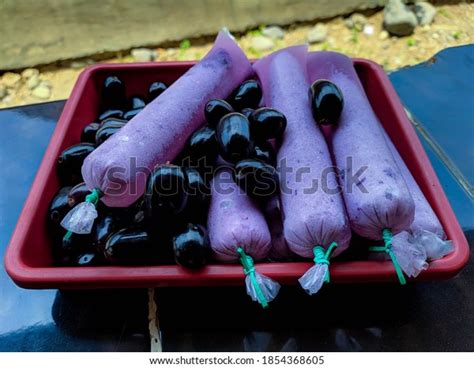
x,y
452,26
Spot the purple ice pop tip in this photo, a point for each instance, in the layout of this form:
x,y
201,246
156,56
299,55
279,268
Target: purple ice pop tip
x,y
311,216
426,230
378,198
234,221
119,166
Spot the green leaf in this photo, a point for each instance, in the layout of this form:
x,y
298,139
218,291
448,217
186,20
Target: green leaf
x,y
185,44
411,42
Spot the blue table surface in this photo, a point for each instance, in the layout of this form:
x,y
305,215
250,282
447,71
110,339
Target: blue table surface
x,y
430,316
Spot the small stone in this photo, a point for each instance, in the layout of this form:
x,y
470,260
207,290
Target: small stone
x,y
78,64
398,19
11,80
7,99
317,34
425,13
368,29
274,32
29,73
356,21
3,91
143,54
33,81
42,91
383,35
435,35
261,43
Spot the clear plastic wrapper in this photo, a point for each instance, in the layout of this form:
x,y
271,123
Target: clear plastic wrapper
x,y
261,289
80,219
314,278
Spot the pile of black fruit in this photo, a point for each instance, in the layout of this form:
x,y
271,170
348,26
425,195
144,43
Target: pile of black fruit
x,y
169,221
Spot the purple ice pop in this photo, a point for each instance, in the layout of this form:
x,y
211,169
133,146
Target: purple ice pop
x,y
235,221
238,231
377,198
425,230
314,217
158,133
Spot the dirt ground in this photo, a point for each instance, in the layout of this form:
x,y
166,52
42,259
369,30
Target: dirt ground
x,y
453,26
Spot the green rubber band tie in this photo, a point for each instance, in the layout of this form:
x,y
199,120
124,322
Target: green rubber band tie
x,y
321,257
249,270
93,197
387,248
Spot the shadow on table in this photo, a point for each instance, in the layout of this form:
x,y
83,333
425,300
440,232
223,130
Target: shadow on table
x,y
98,320
423,316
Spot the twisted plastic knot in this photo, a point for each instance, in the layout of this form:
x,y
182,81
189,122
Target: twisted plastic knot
x,y
246,261
93,196
322,257
249,270
387,237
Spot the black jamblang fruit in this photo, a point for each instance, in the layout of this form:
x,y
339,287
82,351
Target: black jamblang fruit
x,y
89,132
327,102
137,102
248,94
199,195
130,114
247,112
108,128
166,191
156,89
191,247
59,206
113,93
105,133
88,259
265,152
109,114
77,194
233,137
256,178
129,247
267,123
76,244
113,122
70,162
104,228
202,148
215,110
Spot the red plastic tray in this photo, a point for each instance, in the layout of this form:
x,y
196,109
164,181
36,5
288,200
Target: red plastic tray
x,y
28,258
